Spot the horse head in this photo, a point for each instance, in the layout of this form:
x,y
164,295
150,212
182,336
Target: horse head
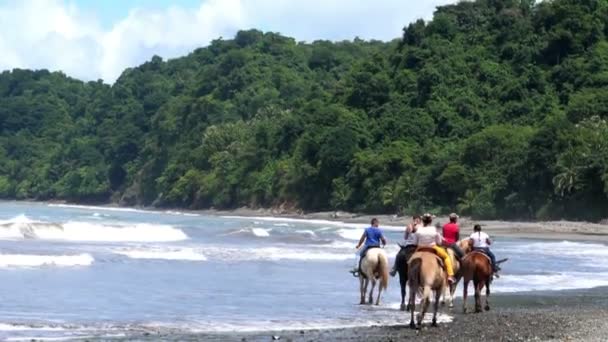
x,y
466,245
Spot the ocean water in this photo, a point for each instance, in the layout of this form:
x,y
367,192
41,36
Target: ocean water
x,y
77,271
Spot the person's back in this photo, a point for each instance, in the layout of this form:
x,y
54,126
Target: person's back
x,y
480,239
427,236
482,242
450,233
373,236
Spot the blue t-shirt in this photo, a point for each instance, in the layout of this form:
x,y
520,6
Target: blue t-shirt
x,y
373,235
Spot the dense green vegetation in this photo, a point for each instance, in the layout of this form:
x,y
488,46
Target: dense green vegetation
x,y
495,108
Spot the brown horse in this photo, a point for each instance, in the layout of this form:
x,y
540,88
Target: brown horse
x,y
426,276
477,266
466,246
374,266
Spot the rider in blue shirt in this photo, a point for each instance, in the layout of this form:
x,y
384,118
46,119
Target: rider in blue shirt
x,y
372,237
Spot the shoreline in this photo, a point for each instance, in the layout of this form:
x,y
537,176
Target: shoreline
x,y
544,230
569,315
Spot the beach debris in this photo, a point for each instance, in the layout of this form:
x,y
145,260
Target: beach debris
x,y
276,338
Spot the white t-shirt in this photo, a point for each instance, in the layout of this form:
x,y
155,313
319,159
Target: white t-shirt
x,y
480,239
427,237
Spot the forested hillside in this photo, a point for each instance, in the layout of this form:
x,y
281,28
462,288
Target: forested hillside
x,y
495,108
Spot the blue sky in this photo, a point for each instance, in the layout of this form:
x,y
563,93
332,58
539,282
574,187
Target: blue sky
x,y
110,11
98,39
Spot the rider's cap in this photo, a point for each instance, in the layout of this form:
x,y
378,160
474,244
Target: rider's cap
x,y
427,215
453,215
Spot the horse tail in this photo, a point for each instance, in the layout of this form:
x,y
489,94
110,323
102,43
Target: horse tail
x,y
414,276
383,264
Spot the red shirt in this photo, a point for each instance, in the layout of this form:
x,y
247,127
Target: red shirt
x,y
450,233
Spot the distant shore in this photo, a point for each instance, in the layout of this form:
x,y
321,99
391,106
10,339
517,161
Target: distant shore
x,y
554,230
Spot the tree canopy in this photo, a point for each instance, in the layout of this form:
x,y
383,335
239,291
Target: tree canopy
x,y
495,108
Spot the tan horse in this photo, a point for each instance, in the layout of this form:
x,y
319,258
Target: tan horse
x,y
425,275
466,246
374,266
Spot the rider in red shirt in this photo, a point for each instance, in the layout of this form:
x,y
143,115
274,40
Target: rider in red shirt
x,y
451,235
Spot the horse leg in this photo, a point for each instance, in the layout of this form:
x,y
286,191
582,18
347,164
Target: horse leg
x,y
465,289
478,288
402,283
426,300
363,288
487,307
412,305
371,291
436,308
379,294
452,288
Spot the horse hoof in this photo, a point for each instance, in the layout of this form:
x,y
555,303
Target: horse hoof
x,y
408,308
487,308
403,307
443,303
477,310
412,325
451,306
434,324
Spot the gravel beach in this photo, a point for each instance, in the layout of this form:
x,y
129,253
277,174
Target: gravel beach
x,y
553,316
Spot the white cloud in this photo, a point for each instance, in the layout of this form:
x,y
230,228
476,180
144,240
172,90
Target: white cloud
x,y
54,35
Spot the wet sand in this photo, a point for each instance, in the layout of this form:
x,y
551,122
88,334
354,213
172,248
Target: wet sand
x,y
576,315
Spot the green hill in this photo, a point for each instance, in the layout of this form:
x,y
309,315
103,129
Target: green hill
x,y
495,108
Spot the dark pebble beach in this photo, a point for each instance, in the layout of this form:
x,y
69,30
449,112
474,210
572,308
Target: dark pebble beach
x,y
575,315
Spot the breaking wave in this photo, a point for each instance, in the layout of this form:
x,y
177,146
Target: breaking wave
x,y
21,227
163,253
25,260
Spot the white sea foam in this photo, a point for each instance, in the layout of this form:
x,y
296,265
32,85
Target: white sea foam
x,y
163,253
350,234
233,254
21,227
549,282
93,207
257,232
25,260
312,222
277,325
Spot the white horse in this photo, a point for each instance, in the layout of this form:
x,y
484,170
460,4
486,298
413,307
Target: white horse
x,y
374,266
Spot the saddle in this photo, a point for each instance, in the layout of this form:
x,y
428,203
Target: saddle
x,y
480,253
428,250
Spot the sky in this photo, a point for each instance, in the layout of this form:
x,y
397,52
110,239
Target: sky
x,y
98,39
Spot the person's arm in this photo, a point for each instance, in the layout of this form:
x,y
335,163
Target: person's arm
x,y
439,239
488,240
458,235
383,240
407,232
361,240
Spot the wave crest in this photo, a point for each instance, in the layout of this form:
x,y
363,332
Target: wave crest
x,y
21,227
25,260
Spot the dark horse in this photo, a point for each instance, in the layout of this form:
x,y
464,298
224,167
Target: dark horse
x,y
401,264
477,266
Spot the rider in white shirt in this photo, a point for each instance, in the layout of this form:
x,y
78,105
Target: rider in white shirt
x,y
482,242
